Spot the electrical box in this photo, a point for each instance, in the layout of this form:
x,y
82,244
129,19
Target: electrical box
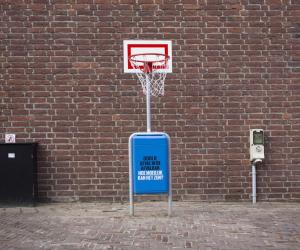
x,y
257,144
18,173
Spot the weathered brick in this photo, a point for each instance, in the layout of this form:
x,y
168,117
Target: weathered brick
x,y
235,68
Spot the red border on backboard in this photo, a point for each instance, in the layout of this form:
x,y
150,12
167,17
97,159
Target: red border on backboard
x,y
144,44
130,46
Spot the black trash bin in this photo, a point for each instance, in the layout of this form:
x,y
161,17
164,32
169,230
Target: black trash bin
x,y
18,173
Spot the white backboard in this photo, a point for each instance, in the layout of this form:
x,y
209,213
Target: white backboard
x,y
133,47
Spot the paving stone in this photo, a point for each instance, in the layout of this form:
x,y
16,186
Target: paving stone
x,y
192,226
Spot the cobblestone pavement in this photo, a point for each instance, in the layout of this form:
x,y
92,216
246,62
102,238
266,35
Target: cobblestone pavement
x,y
194,225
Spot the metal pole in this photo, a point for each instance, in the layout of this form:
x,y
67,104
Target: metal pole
x,y
256,161
131,202
148,104
170,179
253,184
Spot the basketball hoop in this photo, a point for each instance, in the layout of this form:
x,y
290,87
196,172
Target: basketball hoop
x,y
150,60
151,70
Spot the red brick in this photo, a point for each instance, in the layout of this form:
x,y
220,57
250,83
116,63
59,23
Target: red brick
x,y
62,84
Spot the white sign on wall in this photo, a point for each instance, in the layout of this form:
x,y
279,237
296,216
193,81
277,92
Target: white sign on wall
x,y
10,138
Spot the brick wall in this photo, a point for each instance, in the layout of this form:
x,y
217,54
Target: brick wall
x,y
236,66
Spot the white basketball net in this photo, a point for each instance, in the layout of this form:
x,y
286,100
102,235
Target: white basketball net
x,y
151,67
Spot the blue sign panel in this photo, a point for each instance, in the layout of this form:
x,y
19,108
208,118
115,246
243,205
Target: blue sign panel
x,y
150,163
